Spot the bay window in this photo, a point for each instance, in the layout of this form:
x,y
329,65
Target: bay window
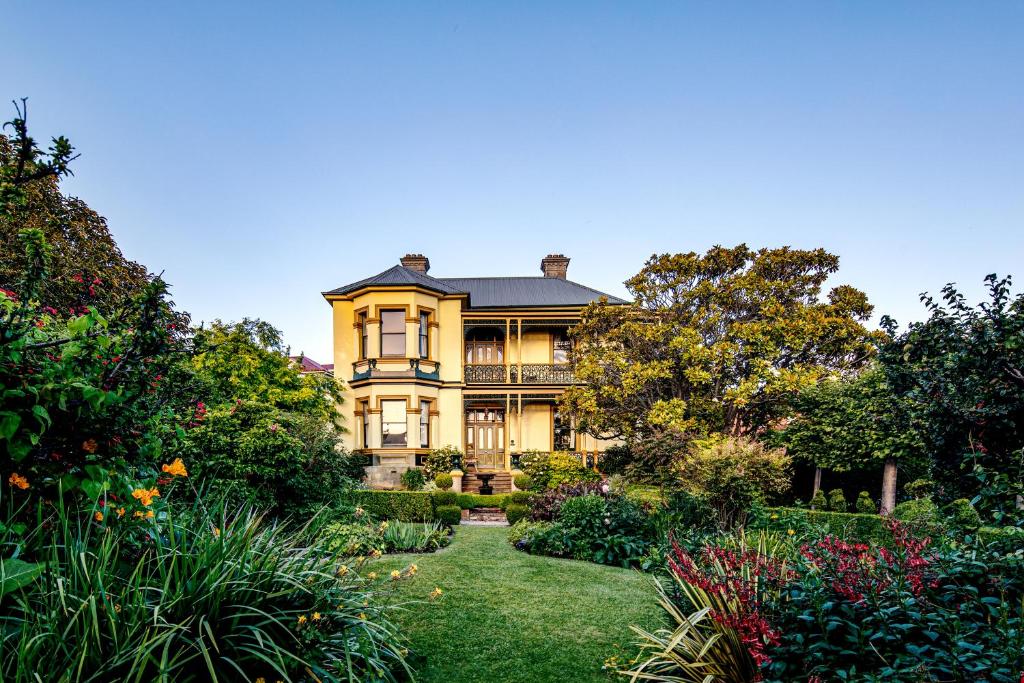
x,y
393,424
392,333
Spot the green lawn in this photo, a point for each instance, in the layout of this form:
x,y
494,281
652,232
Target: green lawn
x,y
509,616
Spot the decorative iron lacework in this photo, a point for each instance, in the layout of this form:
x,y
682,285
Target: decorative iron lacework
x,y
544,373
470,400
485,374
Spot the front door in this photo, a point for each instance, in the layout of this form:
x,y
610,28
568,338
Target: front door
x,y
485,437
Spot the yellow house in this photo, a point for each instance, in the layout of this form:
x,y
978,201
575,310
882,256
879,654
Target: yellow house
x,y
475,363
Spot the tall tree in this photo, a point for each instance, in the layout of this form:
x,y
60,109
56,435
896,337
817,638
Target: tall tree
x,y
715,342
963,368
852,423
85,266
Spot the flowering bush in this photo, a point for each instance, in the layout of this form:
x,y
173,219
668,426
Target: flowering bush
x,y
551,470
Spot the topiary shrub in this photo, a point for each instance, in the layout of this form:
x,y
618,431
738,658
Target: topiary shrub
x,y
412,479
963,516
864,503
442,498
818,502
519,498
919,488
471,501
444,481
515,512
449,515
523,482
837,501
921,515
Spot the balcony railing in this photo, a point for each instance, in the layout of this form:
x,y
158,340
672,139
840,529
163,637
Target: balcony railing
x,y
532,373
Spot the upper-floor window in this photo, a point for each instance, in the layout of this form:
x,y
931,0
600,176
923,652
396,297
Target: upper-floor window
x,y
562,347
363,335
424,424
485,347
424,334
393,424
392,333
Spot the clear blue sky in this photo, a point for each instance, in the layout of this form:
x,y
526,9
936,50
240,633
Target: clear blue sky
x,y
259,153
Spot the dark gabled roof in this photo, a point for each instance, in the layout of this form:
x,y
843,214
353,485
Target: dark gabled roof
x,y
396,276
489,292
516,292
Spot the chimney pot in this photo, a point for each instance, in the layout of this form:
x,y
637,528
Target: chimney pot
x,y
555,265
417,262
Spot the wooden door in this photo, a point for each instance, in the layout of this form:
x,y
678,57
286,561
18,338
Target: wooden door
x,y
485,437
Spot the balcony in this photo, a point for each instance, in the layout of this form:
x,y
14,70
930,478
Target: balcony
x,y
531,373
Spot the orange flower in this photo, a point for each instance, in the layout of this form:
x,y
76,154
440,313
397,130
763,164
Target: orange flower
x,y
176,468
146,496
90,445
149,514
120,512
98,516
18,480
138,514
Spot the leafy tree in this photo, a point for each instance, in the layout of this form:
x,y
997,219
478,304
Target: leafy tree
x,y
963,369
718,342
845,424
85,267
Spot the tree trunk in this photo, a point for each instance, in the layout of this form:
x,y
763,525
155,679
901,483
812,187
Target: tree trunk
x,y
1020,502
888,487
817,481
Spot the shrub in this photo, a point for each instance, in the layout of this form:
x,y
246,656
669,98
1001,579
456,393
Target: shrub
x,y
449,515
545,506
419,537
551,470
445,498
684,510
412,479
844,525
864,503
442,461
921,514
584,516
519,498
515,512
919,488
963,516
405,506
733,474
837,501
818,501
472,501
444,481
615,460
523,482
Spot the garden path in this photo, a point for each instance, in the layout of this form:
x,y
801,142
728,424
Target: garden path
x,y
506,616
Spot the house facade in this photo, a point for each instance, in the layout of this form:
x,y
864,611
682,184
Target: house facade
x,y
477,363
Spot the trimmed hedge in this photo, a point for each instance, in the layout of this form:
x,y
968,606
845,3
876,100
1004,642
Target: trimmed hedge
x,y
515,512
853,525
469,501
445,498
404,506
450,515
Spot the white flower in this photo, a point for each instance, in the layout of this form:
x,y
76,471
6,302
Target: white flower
x,y
607,521
604,488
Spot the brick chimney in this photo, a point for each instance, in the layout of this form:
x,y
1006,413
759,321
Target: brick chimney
x,y
417,262
555,265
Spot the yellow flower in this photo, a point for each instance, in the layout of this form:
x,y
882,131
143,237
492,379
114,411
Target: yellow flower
x,y
395,574
376,554
362,615
302,619
436,593
138,514
261,679
120,512
359,511
216,531
316,616
19,481
146,496
384,525
98,516
117,608
413,568
790,532
372,576
176,468
774,515
342,570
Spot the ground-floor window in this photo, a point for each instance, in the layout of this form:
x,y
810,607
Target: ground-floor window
x,y
562,438
424,424
393,423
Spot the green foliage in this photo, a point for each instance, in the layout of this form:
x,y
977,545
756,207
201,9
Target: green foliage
x,y
519,498
837,501
443,481
450,515
515,512
550,470
818,500
445,498
961,369
963,516
733,474
865,505
404,506
472,501
920,488
921,515
718,342
229,588
442,461
412,479
523,482
413,537
816,523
